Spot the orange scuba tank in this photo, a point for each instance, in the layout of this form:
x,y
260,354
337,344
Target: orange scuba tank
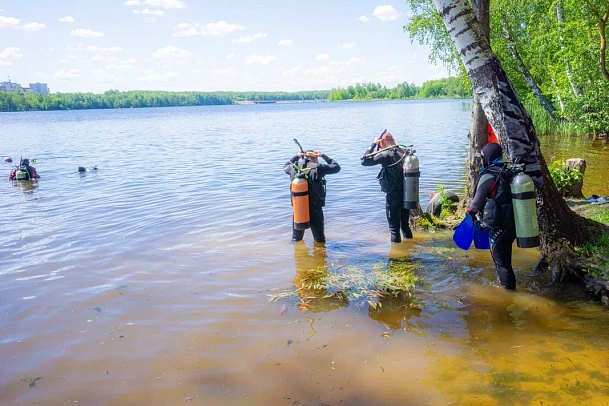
x,y
300,203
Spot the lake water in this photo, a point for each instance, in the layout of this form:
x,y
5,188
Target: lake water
x,y
148,281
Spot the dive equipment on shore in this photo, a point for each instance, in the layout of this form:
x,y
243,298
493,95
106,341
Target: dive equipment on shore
x,y
525,211
411,179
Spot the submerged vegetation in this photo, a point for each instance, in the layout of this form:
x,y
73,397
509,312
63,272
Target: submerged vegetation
x,y
352,285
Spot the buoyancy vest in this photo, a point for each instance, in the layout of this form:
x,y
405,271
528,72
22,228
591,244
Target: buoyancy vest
x,y
391,175
498,210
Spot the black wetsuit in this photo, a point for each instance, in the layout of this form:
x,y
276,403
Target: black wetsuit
x,y
317,195
502,238
392,161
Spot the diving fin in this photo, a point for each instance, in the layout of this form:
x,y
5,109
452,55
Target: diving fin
x,y
481,238
464,233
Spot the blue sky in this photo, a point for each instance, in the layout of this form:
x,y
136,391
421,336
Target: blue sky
x,y
96,45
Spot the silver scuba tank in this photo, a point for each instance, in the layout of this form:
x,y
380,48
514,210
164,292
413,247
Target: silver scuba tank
x,y
525,211
411,180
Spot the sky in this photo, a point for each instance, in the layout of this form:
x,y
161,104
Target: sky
x,y
205,45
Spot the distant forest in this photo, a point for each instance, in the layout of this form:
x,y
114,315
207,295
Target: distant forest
x,y
113,99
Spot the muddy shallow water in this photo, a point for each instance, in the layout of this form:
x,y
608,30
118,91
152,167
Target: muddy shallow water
x,y
148,281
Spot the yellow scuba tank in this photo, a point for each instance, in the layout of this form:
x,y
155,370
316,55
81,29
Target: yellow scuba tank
x,y
525,211
411,180
300,203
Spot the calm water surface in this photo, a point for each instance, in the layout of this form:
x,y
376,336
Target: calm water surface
x,y
148,281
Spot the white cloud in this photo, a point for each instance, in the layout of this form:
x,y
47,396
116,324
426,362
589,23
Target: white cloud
x,y
363,18
158,77
215,29
5,63
11,53
8,22
353,61
124,66
348,45
167,4
64,60
130,3
39,77
229,71
34,26
386,13
285,43
322,57
109,50
67,75
86,33
66,19
171,52
79,47
249,38
230,56
147,11
261,60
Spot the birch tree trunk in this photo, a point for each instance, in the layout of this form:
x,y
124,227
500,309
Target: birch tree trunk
x,y
478,133
560,228
520,67
561,20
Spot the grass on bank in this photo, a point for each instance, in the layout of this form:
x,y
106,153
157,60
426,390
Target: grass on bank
x,y
597,249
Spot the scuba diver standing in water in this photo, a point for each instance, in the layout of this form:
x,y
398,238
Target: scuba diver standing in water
x,y
309,191
494,184
24,171
391,178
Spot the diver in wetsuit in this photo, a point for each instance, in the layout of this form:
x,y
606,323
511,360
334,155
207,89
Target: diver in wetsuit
x,y
491,186
391,178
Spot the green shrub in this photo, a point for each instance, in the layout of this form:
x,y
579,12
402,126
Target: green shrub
x,y
448,206
563,176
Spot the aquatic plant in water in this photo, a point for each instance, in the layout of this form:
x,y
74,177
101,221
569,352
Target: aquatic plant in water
x,y
352,285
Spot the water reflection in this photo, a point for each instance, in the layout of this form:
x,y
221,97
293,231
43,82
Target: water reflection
x,y
26,186
312,271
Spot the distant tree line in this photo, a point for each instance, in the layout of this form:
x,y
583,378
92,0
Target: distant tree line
x,y
114,99
451,87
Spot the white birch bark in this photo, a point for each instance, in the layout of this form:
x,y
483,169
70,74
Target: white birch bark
x,y
495,92
561,20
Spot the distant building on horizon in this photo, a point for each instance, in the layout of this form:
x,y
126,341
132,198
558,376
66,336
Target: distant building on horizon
x,y
9,86
37,88
40,88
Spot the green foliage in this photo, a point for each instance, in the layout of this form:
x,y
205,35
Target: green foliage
x,y
563,176
448,206
112,99
562,57
451,87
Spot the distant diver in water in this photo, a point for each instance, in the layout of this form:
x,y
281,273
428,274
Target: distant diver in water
x,y
8,159
24,171
82,169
